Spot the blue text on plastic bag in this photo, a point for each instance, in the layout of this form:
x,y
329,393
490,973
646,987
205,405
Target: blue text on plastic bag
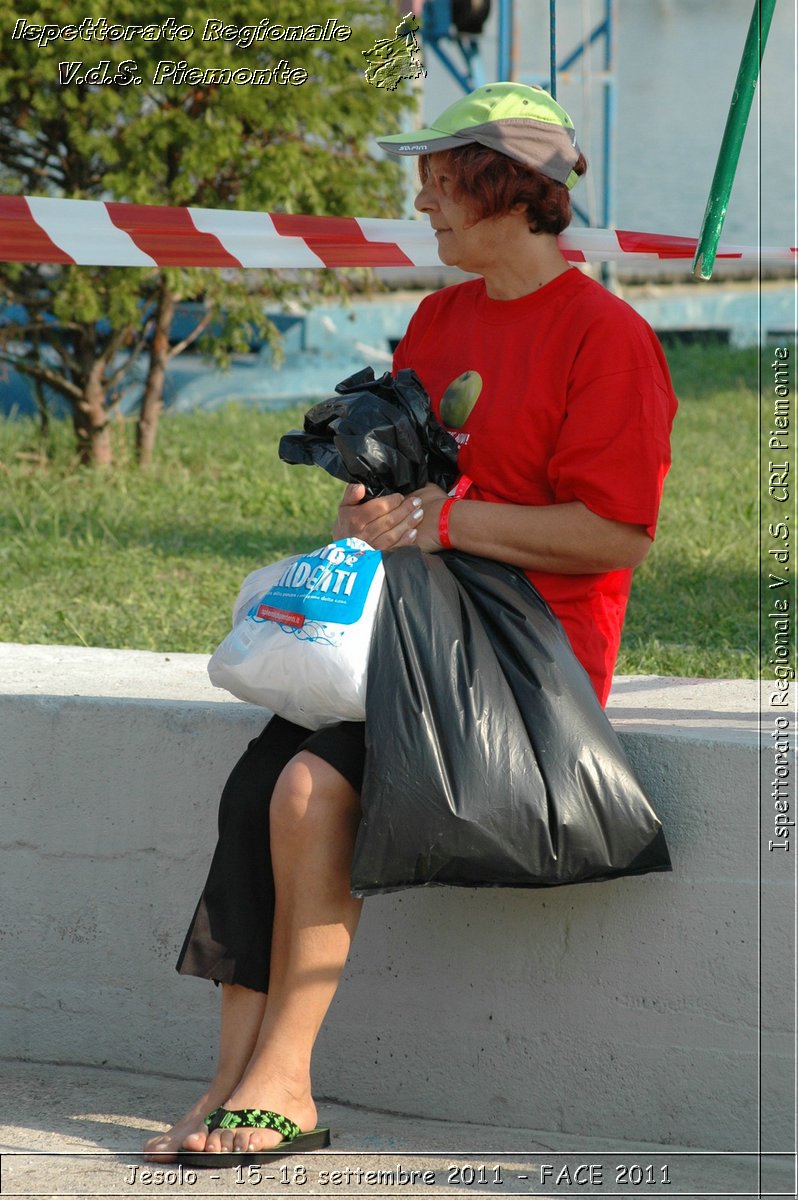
x,y
330,584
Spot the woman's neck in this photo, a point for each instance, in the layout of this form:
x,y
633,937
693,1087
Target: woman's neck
x,y
529,263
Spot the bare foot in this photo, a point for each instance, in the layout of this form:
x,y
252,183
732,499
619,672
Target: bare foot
x,y
267,1094
164,1147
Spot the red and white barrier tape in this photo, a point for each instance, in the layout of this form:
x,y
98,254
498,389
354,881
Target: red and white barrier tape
x,y
93,233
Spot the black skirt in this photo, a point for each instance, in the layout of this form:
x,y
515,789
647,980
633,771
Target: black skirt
x,y
230,936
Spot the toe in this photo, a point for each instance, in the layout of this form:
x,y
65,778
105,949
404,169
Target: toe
x,y
213,1143
264,1139
159,1149
227,1141
196,1141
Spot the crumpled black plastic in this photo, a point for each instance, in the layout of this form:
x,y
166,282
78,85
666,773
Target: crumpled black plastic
x,y
379,432
489,760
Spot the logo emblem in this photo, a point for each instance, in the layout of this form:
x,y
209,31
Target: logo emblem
x,y
390,60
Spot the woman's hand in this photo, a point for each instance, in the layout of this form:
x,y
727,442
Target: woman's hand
x,y
385,523
567,539
432,499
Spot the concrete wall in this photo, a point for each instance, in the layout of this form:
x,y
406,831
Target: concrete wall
x,y
627,1009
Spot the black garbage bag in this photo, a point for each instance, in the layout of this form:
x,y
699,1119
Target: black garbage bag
x,y
489,760
380,432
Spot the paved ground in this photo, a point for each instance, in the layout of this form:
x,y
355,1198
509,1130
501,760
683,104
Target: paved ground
x,y
77,1131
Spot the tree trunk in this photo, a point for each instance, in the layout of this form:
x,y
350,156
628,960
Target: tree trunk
x,y
90,422
44,413
152,400
41,399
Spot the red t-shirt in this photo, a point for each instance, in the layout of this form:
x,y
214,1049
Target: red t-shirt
x,y
573,402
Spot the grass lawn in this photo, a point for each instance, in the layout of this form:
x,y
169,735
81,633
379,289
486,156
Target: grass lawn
x,y
153,560
694,604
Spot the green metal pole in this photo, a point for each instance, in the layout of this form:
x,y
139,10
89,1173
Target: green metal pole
x,y
733,134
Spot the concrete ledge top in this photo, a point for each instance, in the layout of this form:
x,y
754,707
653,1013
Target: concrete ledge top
x,y
91,671
701,709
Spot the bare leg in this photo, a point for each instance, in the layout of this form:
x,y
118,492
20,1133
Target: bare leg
x,y
314,818
241,1017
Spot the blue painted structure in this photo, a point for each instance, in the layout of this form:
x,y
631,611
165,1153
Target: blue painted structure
x,y
327,344
320,348
441,38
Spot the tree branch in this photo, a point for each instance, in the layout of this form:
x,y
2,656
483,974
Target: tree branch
x,y
45,375
120,371
189,340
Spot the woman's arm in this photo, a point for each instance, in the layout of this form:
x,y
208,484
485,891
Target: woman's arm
x,y
566,539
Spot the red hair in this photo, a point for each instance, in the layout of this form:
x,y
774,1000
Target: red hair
x,y
491,184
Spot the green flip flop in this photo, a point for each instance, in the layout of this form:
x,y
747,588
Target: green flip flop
x,y
294,1140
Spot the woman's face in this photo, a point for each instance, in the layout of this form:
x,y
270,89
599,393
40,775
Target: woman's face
x,y
464,242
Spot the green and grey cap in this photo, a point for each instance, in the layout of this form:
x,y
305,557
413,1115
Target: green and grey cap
x,y
523,122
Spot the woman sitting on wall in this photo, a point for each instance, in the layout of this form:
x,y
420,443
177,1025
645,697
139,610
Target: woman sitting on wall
x,y
559,396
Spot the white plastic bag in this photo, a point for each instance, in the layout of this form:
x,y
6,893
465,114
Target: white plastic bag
x,y
301,635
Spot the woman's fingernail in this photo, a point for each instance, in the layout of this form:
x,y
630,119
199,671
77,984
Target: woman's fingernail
x,y
416,501
411,535
417,515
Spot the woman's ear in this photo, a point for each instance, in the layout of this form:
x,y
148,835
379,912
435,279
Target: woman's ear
x,y
521,210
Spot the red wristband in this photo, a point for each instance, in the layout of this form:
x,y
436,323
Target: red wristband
x,y
443,522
